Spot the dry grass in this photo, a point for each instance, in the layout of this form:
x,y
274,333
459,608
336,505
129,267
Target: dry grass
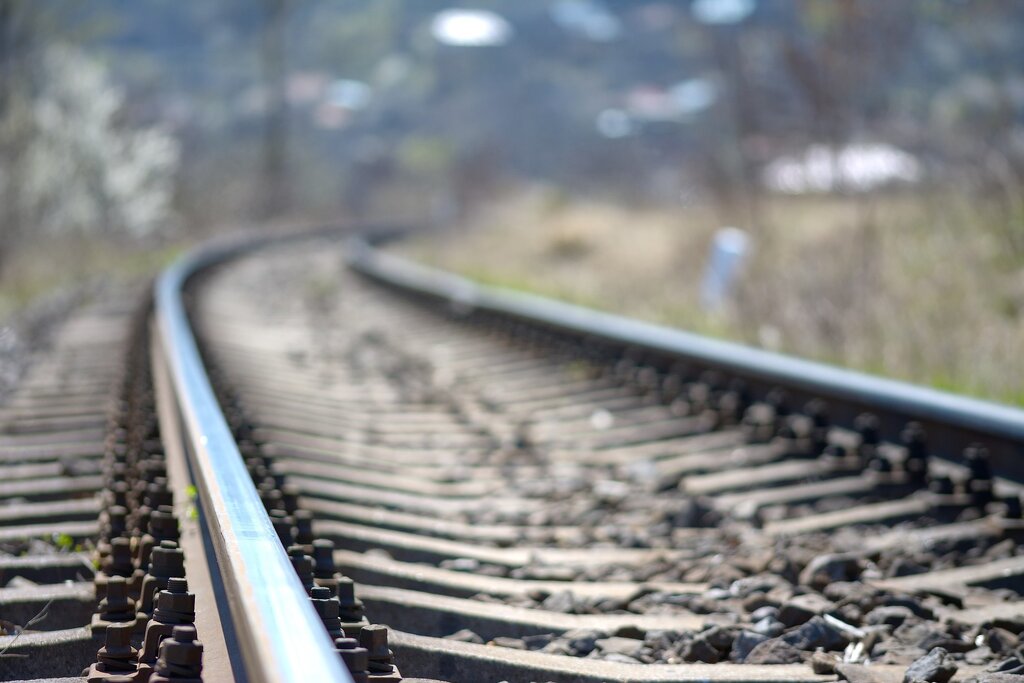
x,y
45,265
921,289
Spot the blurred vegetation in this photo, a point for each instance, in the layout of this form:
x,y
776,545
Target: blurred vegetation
x,y
329,106
880,142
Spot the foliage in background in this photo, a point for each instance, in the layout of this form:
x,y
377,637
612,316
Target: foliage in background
x,y
83,172
69,162
659,106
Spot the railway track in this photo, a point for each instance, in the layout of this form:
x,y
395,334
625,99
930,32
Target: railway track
x,y
521,490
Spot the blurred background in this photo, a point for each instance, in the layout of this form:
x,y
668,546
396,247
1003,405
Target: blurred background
x,y
839,179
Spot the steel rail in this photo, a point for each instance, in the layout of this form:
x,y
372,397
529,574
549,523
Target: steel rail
x,y
281,638
1002,426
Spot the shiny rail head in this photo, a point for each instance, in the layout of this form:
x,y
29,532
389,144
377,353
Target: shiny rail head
x,y
281,637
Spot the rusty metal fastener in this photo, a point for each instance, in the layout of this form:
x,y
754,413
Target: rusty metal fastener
x,y
303,565
116,660
284,526
271,498
119,562
941,485
119,494
323,557
351,606
1012,507
328,609
117,654
375,639
175,606
946,502
915,464
356,658
869,429
290,497
758,423
881,465
167,561
833,454
154,466
161,525
115,472
257,468
817,410
303,527
728,408
979,483
158,493
181,658
114,522
671,386
167,557
115,607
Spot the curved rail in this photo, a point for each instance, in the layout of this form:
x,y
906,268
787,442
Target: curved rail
x,y
280,635
1002,427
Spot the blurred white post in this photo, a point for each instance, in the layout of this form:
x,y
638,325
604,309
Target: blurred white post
x,y
728,253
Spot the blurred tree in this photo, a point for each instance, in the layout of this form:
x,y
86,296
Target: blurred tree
x,y
19,22
67,164
82,172
274,193
937,78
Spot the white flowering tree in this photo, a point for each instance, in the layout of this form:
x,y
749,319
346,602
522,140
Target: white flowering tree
x,y
82,171
68,165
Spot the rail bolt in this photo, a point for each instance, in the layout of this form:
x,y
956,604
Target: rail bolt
x,y
167,561
356,658
941,485
175,604
916,462
328,609
181,657
119,494
119,562
759,423
303,526
284,526
303,566
869,429
117,606
979,484
351,606
375,639
290,497
163,525
116,660
157,493
323,557
117,649
115,522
